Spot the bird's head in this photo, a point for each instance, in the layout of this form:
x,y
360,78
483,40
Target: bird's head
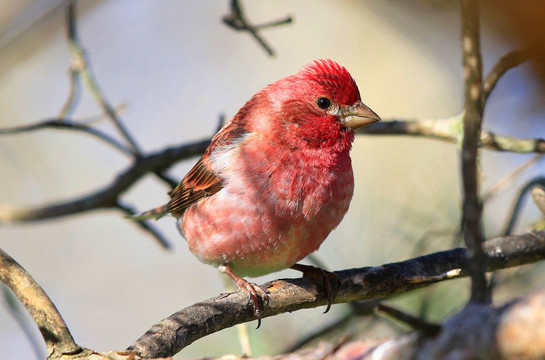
x,y
320,104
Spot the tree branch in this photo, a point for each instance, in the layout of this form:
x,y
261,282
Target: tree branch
x,y
80,64
506,63
146,226
184,327
450,130
472,205
487,333
66,124
57,337
237,21
108,196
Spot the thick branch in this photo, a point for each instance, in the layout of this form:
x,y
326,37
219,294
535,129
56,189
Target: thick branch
x,y
485,333
57,337
472,205
184,327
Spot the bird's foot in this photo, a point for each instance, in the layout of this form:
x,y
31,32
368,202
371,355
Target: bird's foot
x,y
256,294
319,275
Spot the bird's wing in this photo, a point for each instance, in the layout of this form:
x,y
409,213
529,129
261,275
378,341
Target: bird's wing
x,y
201,181
197,184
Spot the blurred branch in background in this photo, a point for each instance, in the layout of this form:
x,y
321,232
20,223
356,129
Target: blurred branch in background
x,y
14,308
472,206
536,183
108,196
237,20
81,69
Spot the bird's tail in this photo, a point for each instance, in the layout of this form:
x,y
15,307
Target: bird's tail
x,y
156,214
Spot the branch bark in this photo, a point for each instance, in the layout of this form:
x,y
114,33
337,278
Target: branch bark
x,y
57,337
473,115
170,335
486,333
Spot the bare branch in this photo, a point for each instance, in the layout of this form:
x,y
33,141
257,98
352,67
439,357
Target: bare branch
x,y
184,327
146,226
237,21
517,207
450,130
538,195
510,177
65,124
80,64
411,320
472,205
57,337
506,63
484,333
108,196
74,71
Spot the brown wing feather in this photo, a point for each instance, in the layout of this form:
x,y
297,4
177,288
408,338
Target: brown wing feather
x,y
201,181
197,184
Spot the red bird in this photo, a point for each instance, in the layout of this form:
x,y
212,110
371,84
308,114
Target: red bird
x,y
276,179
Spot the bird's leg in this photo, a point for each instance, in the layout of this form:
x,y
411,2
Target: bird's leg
x,y
252,290
320,275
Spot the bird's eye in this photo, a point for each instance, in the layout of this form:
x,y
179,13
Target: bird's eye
x,y
323,103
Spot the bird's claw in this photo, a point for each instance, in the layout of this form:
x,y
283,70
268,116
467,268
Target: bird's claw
x,y
254,292
320,275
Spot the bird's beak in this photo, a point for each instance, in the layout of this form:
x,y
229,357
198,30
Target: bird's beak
x,y
358,115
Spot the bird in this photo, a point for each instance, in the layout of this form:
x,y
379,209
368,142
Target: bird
x,y
275,180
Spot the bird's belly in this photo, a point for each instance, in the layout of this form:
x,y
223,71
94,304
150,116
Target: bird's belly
x,y
229,228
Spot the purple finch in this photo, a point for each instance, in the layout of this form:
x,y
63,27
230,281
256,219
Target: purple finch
x,y
276,179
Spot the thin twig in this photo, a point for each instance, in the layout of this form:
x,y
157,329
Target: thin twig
x,y
66,124
81,66
506,63
236,20
517,207
80,63
170,335
538,195
74,71
472,205
57,337
414,322
146,226
503,182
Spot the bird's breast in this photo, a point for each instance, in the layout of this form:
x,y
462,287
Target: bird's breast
x,y
272,211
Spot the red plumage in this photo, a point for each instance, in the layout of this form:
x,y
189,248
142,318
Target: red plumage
x,y
277,178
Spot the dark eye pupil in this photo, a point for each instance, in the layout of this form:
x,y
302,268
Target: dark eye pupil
x,y
323,103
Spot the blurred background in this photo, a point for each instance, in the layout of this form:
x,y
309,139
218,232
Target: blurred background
x,y
176,67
